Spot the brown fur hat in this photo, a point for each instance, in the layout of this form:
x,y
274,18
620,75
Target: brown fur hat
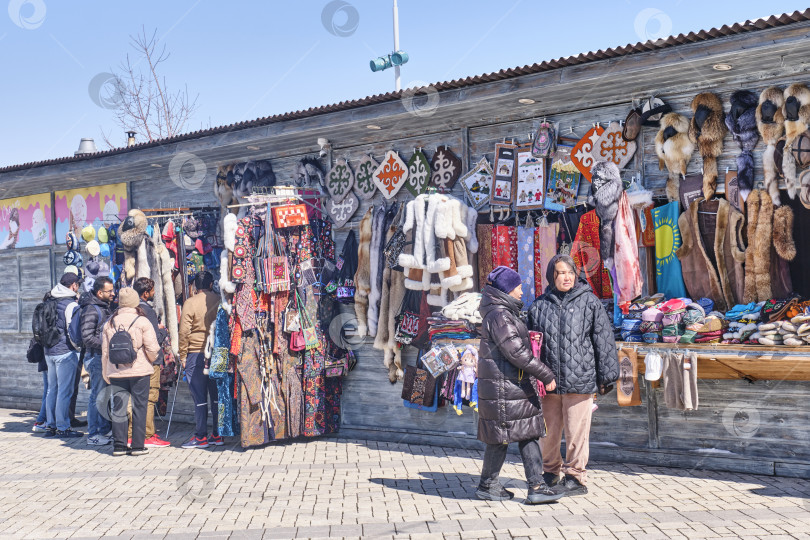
x,y
771,125
783,233
674,149
707,129
796,110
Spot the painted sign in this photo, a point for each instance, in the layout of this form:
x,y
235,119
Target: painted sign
x,y
26,221
96,206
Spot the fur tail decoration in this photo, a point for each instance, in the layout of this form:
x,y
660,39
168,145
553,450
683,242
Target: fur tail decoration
x,y
762,243
769,168
362,277
783,233
169,299
745,173
709,177
789,169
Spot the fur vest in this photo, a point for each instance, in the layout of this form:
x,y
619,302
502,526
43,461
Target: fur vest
x,y
721,280
362,278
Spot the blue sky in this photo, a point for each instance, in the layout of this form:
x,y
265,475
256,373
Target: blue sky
x,y
246,60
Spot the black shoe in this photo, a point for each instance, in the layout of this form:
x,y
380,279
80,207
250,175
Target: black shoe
x,y
551,479
542,494
78,423
120,450
573,486
69,434
494,493
50,432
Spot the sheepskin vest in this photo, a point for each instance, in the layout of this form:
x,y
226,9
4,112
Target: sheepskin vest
x,y
713,270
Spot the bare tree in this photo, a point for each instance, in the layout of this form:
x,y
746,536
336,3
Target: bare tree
x,y
145,104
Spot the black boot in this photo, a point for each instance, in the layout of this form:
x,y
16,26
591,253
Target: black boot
x,y
542,494
573,486
551,479
493,493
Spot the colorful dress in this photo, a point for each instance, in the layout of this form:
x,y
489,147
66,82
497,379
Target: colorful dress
x,y
545,247
668,277
585,252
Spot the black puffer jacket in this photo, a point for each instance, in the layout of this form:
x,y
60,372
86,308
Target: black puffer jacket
x,y
92,324
578,343
508,405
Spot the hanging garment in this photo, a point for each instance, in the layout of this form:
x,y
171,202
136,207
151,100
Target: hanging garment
x,y
393,294
628,270
504,246
568,227
376,265
525,242
586,255
757,286
800,265
484,254
222,372
362,278
669,279
712,254
412,258
254,430
545,247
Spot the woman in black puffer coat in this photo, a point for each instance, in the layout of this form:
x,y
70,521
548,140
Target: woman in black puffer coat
x,y
508,404
579,347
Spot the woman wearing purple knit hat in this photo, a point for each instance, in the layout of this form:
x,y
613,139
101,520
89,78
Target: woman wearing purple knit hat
x,y
508,404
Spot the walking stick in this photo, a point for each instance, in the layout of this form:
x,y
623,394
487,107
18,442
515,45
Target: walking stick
x,y
171,411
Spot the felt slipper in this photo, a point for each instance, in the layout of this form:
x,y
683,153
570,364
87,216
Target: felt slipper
x,y
794,342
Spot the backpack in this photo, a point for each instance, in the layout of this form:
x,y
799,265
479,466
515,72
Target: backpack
x,y
74,333
43,324
36,353
121,350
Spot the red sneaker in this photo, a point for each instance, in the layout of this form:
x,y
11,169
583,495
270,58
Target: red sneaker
x,y
156,442
216,440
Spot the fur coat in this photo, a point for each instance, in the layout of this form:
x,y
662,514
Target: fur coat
x,y
412,258
606,189
707,129
375,260
741,121
796,110
674,149
757,256
362,277
771,125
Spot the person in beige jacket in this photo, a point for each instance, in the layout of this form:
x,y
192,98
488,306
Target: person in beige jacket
x,y
129,379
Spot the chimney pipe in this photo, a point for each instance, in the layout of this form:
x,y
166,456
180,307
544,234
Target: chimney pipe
x,y
130,138
86,146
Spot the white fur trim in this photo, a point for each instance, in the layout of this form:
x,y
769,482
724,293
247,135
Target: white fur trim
x,y
414,285
442,217
465,271
439,265
466,284
459,225
639,198
225,284
472,235
451,281
229,231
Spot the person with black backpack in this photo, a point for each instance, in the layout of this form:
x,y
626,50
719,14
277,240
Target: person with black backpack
x,y
50,326
95,311
128,349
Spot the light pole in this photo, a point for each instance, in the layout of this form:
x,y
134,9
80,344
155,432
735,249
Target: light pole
x,y
396,58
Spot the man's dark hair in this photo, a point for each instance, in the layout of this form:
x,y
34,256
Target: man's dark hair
x,y
204,281
100,283
143,285
69,279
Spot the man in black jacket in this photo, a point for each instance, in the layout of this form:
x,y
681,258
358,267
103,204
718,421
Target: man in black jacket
x,y
95,310
145,288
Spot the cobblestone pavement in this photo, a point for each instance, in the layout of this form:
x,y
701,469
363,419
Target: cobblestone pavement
x,y
339,488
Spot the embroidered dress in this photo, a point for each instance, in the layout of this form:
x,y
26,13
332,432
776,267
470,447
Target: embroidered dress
x,y
545,247
222,372
484,233
253,430
668,277
504,247
585,252
525,243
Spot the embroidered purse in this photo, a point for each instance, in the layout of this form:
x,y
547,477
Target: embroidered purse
x,y
536,339
408,320
290,216
278,275
335,365
292,319
418,387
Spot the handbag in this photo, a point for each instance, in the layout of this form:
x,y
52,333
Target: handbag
x,y
297,342
408,320
292,320
536,339
278,275
291,215
309,331
418,386
336,363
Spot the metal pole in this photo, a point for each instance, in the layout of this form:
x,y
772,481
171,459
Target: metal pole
x,y
171,411
396,44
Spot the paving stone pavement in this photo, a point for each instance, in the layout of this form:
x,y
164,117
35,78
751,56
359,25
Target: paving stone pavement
x,y
340,488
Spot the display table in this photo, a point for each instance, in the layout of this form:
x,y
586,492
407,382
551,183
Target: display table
x,y
726,361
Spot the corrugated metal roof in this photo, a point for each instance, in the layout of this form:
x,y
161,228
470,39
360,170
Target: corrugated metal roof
x,y
773,21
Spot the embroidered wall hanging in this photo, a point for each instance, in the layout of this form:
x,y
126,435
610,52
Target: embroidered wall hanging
x,y
340,180
363,184
531,180
581,155
503,181
477,184
418,173
611,146
391,175
341,212
563,180
445,169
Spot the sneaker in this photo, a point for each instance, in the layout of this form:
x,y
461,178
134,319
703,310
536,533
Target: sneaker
x,y
551,479
494,493
543,494
69,434
50,432
155,442
194,442
39,427
573,486
109,434
78,423
98,440
138,451
120,450
216,440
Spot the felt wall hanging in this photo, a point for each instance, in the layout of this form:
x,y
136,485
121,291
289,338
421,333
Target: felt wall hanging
x,y
391,175
545,141
611,146
503,181
563,179
582,154
531,180
364,186
477,184
445,169
690,189
418,173
340,180
341,212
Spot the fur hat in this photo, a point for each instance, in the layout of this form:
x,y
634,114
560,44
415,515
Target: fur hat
x,y
708,129
771,125
674,149
796,110
133,229
606,189
741,121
